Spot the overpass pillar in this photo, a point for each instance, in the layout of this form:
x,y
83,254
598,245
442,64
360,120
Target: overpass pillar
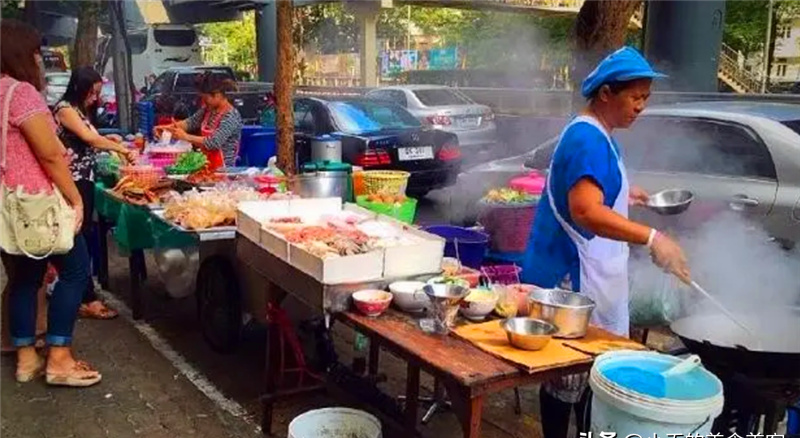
x,y
367,13
683,38
267,41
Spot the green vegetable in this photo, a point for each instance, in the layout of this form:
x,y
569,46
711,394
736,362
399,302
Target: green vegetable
x,y
187,162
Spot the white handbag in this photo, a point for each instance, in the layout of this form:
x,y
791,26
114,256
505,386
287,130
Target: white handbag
x,y
38,225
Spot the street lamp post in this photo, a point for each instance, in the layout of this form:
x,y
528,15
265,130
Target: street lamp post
x,y
765,77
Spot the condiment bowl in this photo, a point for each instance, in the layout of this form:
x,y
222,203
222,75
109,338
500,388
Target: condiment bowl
x,y
478,304
406,296
528,333
372,302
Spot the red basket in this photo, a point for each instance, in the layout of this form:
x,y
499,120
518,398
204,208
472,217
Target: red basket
x,y
508,226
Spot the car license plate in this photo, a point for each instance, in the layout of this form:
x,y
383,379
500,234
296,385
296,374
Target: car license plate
x,y
417,153
469,122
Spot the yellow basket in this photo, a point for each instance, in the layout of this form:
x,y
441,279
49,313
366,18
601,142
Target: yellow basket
x,y
385,182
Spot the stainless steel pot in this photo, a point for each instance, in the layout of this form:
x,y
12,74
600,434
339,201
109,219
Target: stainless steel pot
x,y
326,148
320,185
568,311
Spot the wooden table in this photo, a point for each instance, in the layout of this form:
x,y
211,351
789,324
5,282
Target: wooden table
x,y
467,373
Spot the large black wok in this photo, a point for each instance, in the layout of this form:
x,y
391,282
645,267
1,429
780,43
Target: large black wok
x,y
774,353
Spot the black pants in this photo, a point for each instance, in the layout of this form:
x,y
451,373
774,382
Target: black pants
x,y
86,189
555,414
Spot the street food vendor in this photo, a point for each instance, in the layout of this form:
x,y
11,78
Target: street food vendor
x,y
582,231
216,128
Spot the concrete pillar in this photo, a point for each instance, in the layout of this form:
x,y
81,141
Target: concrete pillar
x,y
267,41
683,39
366,13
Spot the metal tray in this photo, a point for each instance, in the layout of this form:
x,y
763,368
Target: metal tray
x,y
206,235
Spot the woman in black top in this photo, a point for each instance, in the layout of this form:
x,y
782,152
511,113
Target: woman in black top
x,y
74,114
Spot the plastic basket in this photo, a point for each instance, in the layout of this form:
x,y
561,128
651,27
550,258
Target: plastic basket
x,y
385,181
143,176
404,212
509,226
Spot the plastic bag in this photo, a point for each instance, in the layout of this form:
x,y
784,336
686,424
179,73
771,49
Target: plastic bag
x,y
656,298
178,268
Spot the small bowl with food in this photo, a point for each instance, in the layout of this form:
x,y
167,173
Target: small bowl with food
x,y
455,281
408,296
479,303
372,302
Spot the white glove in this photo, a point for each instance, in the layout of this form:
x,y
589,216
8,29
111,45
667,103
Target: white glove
x,y
668,255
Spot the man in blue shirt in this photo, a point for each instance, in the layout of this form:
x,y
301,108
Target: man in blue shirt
x,y
582,228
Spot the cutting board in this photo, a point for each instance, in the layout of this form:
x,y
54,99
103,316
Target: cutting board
x,y
491,338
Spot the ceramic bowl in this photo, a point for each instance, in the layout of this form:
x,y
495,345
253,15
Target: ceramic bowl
x,y
372,302
408,296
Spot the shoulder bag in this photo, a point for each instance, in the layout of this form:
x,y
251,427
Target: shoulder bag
x,y
38,225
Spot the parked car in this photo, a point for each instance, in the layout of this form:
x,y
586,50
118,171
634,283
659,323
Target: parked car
x,y
741,156
447,109
174,93
377,136
56,86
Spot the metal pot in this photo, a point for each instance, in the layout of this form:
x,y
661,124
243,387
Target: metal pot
x,y
320,185
326,148
568,311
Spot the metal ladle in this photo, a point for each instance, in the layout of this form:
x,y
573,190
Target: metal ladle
x,y
722,308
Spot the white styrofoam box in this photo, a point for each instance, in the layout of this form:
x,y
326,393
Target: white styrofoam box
x,y
422,257
311,209
338,270
274,243
361,211
250,215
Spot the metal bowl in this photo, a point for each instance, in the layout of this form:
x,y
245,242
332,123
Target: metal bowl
x,y
528,333
670,202
320,185
568,311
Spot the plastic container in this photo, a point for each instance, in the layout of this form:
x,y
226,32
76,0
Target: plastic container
x,y
404,212
257,146
793,420
502,274
692,402
471,244
532,183
335,423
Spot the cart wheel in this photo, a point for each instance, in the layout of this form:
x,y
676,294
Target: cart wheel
x,y
219,304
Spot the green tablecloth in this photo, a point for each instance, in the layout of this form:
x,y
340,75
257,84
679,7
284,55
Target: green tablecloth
x,y
136,227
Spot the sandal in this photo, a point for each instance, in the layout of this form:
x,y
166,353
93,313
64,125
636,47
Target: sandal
x,y
81,375
25,376
97,311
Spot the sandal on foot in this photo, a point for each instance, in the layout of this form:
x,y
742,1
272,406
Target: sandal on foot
x,y
25,376
80,376
99,311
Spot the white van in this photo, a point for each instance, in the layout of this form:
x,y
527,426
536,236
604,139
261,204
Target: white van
x,y
158,47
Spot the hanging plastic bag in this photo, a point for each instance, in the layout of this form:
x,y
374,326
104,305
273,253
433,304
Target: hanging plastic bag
x,y
656,298
178,268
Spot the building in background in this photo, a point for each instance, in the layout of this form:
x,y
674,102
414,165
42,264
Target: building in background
x,y
786,57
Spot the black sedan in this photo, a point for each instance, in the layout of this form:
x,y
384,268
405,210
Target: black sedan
x,y
380,136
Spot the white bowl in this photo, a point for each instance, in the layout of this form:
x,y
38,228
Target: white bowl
x,y
408,296
477,310
372,302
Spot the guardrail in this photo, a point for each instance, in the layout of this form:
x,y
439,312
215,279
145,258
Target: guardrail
x,y
557,103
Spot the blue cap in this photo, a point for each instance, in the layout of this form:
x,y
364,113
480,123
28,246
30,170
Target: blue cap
x,y
626,64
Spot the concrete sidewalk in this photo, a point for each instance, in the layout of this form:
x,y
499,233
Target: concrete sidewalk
x,y
142,395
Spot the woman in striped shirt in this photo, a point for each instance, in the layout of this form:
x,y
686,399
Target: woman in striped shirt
x,y
216,128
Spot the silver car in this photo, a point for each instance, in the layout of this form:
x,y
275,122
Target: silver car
x,y
447,109
56,86
733,156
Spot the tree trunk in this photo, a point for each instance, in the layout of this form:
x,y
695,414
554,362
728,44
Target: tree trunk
x,y
600,28
84,51
776,18
31,13
284,88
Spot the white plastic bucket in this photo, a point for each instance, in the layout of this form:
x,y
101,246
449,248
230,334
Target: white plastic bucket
x,y
627,412
335,423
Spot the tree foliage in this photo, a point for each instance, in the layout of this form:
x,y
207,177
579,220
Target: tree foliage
x,y
11,9
232,43
746,22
